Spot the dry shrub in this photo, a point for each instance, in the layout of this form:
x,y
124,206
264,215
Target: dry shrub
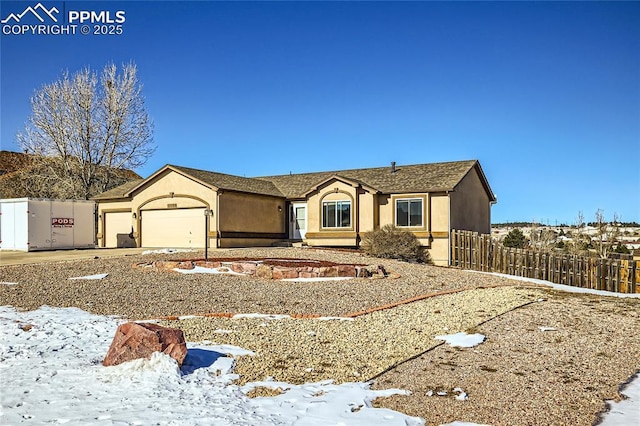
x,y
263,391
390,242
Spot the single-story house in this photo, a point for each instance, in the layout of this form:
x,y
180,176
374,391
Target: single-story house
x,y
183,207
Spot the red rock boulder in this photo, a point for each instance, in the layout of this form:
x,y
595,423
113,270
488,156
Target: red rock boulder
x,y
140,340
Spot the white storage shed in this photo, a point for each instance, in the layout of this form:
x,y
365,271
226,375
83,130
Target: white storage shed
x,y
28,224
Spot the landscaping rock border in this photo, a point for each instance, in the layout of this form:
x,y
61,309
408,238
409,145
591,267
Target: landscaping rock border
x,y
276,269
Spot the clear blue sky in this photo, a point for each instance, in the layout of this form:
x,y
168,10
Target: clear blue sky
x,y
545,94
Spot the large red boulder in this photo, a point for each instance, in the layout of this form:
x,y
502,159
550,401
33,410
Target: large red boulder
x,y
140,340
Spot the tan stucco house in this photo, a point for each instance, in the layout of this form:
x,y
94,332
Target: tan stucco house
x,y
182,207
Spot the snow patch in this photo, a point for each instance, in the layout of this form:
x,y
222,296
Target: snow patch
x,y
167,251
627,411
202,270
261,316
91,277
562,287
461,394
462,340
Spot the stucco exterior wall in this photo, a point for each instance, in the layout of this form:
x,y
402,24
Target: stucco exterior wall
x,y
439,251
367,212
470,205
439,229
439,213
107,207
173,188
334,190
251,213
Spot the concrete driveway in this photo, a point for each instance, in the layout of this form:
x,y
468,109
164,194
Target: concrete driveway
x,y
23,257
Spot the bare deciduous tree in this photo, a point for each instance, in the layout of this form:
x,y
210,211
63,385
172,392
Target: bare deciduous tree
x,y
579,244
86,129
600,241
541,238
606,233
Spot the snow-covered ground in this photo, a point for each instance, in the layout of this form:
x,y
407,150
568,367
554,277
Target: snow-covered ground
x,y
52,373
50,365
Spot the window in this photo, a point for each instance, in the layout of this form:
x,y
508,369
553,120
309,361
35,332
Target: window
x,y
409,212
336,214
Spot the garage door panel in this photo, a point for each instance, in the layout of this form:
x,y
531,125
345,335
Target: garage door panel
x,y
116,223
179,228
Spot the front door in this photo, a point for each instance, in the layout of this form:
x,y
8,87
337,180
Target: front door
x,y
297,220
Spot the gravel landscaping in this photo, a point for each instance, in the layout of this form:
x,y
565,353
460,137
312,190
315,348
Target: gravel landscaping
x,y
549,357
299,351
146,293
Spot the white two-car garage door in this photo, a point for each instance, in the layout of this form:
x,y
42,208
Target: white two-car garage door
x,y
176,228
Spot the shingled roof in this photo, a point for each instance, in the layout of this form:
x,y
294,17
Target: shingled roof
x,y
231,182
217,181
433,177
119,191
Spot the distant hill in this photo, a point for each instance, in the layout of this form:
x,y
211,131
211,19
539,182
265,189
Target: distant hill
x,y
27,175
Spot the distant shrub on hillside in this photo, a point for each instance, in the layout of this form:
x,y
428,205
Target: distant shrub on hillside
x,y
515,239
393,243
621,248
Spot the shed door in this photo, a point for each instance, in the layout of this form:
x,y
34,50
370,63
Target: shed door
x,y
116,223
175,228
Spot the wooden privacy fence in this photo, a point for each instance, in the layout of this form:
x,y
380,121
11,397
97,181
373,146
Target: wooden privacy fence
x,y
470,250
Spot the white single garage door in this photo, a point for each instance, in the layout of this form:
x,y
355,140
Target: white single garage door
x,y
116,223
175,228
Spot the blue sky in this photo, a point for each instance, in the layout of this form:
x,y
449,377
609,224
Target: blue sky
x,y
545,94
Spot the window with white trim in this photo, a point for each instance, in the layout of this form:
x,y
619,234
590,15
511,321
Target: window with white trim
x,y
409,212
336,214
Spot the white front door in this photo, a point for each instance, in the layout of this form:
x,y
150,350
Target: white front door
x,y
297,220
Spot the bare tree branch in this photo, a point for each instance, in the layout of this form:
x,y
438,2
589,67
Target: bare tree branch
x,y
92,127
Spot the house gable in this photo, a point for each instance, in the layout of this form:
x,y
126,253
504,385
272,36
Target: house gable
x,y
479,173
172,189
337,178
470,203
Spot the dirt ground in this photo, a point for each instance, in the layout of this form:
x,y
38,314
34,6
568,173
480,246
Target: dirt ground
x,y
552,362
